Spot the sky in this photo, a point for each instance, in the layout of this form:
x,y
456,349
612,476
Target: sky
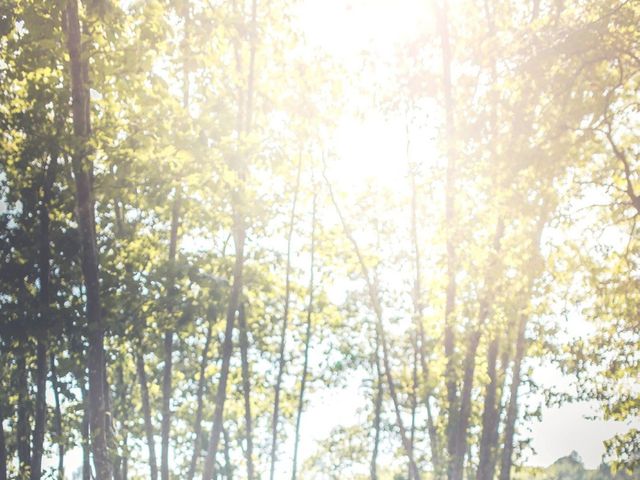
x,y
344,29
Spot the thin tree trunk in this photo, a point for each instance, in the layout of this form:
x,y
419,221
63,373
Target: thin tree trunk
x,y
239,234
283,331
197,427
146,409
43,300
57,417
307,342
167,375
433,437
86,441
431,426
40,410
442,13
416,297
22,428
456,464
165,425
512,409
418,313
167,389
501,407
121,459
413,395
125,462
3,447
227,458
377,410
490,416
246,389
227,350
115,459
377,308
82,172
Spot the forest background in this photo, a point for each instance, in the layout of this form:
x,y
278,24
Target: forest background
x,y
276,239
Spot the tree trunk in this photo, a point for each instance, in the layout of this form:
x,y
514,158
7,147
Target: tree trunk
x,y
283,331
239,234
490,416
197,427
456,463
246,389
22,428
307,343
40,411
86,443
43,300
418,316
450,214
165,425
3,447
121,459
377,410
82,172
57,417
146,409
512,409
227,350
413,395
167,389
227,458
433,438
115,458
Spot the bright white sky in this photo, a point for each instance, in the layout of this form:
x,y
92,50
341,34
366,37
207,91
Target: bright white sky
x,y
344,29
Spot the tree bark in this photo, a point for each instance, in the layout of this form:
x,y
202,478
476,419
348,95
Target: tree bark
x,y
167,376
121,461
456,465
40,410
413,395
44,255
307,343
86,442
82,172
418,314
246,389
23,433
283,331
57,417
451,381
146,409
197,427
227,458
167,389
490,416
3,447
377,410
512,409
